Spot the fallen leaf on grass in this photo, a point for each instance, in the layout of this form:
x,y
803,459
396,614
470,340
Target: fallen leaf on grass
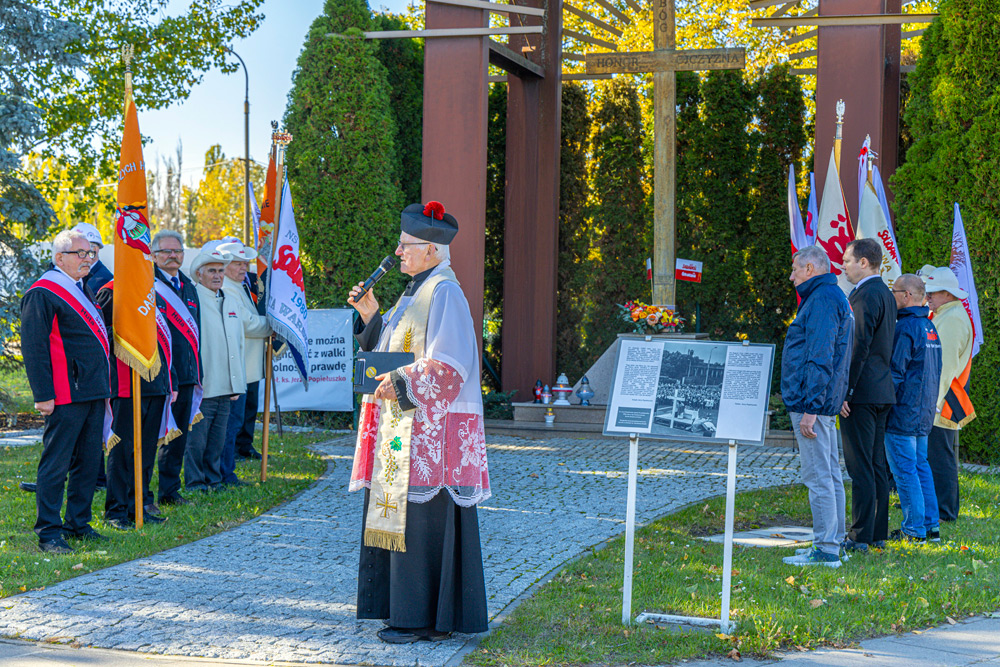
x,y
922,602
950,620
790,581
735,655
816,603
978,565
78,566
723,636
803,649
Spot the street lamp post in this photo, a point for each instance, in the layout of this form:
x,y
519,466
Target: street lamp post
x,y
246,162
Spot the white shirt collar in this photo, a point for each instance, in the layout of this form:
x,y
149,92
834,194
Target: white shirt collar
x,y
866,279
59,269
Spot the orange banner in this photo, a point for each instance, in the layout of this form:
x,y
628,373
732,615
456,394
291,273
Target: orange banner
x,y
135,301
266,218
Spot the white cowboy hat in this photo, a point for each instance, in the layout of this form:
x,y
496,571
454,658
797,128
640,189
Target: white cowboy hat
x,y
212,256
90,232
942,279
237,251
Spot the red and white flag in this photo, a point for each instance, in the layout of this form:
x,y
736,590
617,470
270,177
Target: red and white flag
x,y
833,228
866,148
884,203
811,211
961,266
872,224
797,230
649,269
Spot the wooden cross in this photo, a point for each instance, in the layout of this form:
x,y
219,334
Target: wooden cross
x,y
384,505
664,62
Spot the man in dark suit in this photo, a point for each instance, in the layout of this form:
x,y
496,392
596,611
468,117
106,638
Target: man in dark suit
x,y
870,395
182,312
67,357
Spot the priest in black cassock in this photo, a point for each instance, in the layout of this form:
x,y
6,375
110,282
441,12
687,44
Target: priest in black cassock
x,y
421,449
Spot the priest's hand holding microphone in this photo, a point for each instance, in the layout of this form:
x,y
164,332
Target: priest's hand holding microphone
x,y
363,301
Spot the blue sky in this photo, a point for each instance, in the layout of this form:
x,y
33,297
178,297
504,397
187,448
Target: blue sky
x,y
213,114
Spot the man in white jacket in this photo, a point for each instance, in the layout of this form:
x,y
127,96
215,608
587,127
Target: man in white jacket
x,y
234,285
224,326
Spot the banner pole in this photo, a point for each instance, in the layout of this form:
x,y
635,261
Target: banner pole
x,y
268,359
279,140
137,446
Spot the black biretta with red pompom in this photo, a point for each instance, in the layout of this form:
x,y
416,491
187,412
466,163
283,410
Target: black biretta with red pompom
x,y
429,222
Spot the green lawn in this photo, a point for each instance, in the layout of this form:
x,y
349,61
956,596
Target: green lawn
x,y
576,617
23,567
14,388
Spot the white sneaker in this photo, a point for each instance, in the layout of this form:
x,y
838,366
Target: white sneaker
x,y
844,556
814,557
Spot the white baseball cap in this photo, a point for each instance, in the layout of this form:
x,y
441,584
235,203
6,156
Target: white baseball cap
x,y
941,279
90,232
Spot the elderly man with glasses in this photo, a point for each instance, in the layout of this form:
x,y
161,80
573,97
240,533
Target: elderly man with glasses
x,y
916,371
421,452
67,358
182,312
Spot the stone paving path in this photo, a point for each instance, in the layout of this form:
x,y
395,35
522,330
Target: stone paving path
x,y
283,586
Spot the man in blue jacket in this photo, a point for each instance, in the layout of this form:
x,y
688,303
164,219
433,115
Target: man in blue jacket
x,y
916,372
814,373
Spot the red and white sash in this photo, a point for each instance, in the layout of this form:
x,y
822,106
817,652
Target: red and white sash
x,y
59,284
181,317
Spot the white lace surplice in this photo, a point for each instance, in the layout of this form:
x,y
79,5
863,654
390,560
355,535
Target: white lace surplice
x,y
447,445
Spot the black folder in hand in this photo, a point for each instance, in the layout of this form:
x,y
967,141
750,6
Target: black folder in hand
x,y
368,365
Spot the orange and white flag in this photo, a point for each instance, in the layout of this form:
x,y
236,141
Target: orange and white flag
x,y
266,227
833,228
135,301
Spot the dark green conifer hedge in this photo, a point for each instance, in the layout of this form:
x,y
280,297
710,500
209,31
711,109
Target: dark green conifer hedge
x,y
954,117
342,161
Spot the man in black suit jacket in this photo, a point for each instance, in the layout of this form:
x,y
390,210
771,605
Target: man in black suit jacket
x,y
66,356
181,309
870,395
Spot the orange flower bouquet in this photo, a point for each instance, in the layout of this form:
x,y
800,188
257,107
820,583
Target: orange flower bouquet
x,y
646,319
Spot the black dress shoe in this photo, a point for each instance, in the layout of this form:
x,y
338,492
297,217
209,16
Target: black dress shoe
x,y
151,509
398,636
55,546
175,499
87,533
120,524
432,635
27,486
251,454
149,518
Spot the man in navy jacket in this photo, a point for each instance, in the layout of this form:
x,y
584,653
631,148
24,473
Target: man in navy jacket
x,y
814,373
66,356
916,372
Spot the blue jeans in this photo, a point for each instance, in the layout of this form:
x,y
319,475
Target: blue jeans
x,y
902,453
932,519
228,462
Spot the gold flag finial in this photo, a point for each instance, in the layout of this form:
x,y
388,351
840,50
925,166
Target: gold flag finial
x,y
128,51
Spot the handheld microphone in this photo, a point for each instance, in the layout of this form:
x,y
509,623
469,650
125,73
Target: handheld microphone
x,y
383,268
